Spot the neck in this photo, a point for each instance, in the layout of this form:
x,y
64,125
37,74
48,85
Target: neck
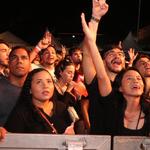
x,y
133,104
111,75
147,81
46,105
2,69
17,81
41,104
49,66
77,66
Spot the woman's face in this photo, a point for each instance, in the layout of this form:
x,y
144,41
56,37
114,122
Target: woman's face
x,y
42,86
68,74
132,84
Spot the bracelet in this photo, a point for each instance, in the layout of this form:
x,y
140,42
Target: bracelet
x,y
37,48
95,19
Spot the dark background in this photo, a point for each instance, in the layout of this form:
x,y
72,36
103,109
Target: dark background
x,y
28,20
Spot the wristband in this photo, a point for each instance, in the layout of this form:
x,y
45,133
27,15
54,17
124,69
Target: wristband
x,y
37,48
95,19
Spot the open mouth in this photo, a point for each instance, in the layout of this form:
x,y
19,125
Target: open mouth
x,y
117,61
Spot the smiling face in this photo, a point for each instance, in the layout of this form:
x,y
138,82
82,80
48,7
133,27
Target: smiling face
x,y
49,56
114,60
132,84
143,65
42,87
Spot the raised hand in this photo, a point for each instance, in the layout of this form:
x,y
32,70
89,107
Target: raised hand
x,y
3,132
132,56
45,41
100,8
87,29
70,130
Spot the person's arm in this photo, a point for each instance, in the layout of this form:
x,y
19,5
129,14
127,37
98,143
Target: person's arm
x,y
99,8
42,44
132,57
3,132
85,112
103,80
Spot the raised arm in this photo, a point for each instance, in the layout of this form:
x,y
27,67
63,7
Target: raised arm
x,y
99,8
42,44
90,42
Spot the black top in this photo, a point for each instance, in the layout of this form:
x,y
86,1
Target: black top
x,y
9,94
96,109
107,113
26,118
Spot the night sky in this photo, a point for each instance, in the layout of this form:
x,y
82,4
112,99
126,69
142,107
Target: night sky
x,y
29,21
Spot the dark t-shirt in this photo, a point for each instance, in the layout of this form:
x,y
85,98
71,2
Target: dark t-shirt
x,y
8,97
96,109
26,119
106,114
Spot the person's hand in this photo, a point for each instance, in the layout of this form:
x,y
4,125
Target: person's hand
x,y
88,29
132,56
100,8
70,129
45,41
71,86
80,89
3,132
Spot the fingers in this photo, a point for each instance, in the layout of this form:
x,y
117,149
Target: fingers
x,y
3,132
84,24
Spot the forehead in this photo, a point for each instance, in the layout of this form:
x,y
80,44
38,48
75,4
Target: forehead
x,y
131,73
111,51
50,49
42,74
70,66
143,59
115,50
3,46
19,51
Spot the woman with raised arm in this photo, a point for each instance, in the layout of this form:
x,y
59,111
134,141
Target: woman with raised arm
x,y
126,111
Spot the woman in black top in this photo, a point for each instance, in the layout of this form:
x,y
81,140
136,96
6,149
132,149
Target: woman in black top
x,y
126,112
36,110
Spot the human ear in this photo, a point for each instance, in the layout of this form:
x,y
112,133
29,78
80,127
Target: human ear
x,y
120,89
30,91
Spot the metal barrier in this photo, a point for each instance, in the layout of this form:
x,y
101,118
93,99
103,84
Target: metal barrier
x,y
51,142
131,143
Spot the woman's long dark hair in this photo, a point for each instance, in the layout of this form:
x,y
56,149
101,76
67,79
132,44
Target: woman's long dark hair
x,y
25,95
62,66
117,84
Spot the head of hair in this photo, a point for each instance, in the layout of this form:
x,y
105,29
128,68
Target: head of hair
x,y
118,81
18,47
4,42
43,50
108,47
139,56
73,49
25,95
62,66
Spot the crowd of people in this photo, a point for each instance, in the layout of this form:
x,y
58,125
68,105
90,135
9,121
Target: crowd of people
x,y
78,90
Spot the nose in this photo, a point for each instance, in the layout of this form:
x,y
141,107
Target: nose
x,y
147,64
19,59
45,84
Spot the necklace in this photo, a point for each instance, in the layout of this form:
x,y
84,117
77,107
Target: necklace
x,y
138,119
